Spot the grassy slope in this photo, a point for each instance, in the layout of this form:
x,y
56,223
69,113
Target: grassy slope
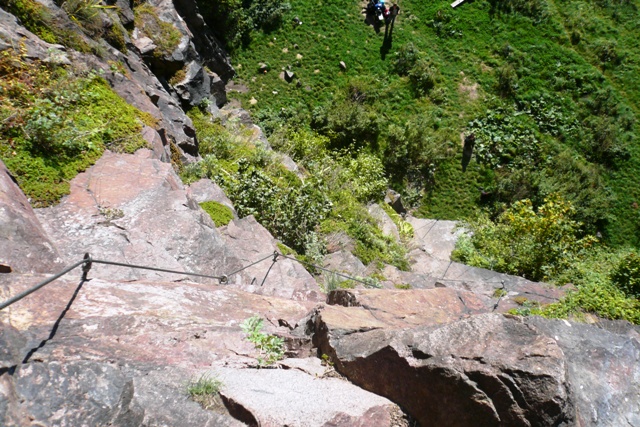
x,y
467,50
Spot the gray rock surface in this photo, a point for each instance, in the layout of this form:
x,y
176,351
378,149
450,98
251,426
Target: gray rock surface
x,y
275,397
121,352
12,34
134,209
26,247
602,368
285,278
463,373
387,225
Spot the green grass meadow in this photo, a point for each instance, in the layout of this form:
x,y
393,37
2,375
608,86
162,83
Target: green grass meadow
x,y
575,62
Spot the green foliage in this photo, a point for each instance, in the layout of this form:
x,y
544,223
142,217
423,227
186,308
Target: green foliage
x,y
499,293
86,13
412,152
165,36
204,390
405,229
505,138
219,213
514,57
403,286
603,300
37,19
535,9
626,276
537,245
47,139
234,21
271,348
347,124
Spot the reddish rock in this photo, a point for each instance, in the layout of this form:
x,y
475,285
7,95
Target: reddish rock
x,y
485,370
134,209
26,247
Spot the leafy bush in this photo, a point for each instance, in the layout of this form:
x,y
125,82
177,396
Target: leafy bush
x,y
347,124
626,275
219,213
536,245
406,58
424,76
271,348
507,78
505,138
233,21
536,9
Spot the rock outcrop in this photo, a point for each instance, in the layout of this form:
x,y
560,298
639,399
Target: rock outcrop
x,y
447,359
26,248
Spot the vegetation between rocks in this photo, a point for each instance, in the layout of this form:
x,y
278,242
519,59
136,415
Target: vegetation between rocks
x,y
55,123
270,347
205,390
219,213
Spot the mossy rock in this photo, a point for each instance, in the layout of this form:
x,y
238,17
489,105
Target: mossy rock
x,y
219,213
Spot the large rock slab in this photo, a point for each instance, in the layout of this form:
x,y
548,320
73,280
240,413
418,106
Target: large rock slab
x,y
431,266
603,367
400,308
121,353
485,370
166,324
435,237
26,247
134,209
205,190
278,397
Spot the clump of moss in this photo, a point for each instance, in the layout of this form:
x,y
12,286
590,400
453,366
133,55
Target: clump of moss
x,y
404,286
219,213
164,35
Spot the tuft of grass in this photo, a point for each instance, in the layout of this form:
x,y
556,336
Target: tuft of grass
x,y
204,390
164,35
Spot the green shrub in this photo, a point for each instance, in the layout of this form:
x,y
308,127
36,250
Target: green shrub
x,y
507,78
423,75
234,21
86,13
626,275
271,348
219,213
536,245
347,124
406,58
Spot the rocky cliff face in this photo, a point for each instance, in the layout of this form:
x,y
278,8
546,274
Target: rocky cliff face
x,y
120,347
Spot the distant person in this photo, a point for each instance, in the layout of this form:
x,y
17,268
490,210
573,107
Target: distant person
x,y
393,12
